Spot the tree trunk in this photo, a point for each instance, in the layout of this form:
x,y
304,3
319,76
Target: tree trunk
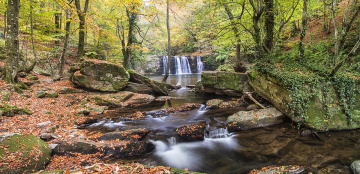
x,y
303,31
82,16
12,42
62,58
132,16
32,66
169,43
269,25
5,24
58,27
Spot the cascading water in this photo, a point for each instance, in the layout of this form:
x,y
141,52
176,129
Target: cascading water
x,y
165,61
182,65
200,64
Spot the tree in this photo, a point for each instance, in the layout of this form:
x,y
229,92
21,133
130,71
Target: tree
x,y
169,42
82,17
9,74
303,30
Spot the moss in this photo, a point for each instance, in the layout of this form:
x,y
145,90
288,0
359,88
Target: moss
x,y
5,95
17,89
22,85
31,153
52,94
31,77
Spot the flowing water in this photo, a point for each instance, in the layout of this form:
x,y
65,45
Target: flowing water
x,y
224,152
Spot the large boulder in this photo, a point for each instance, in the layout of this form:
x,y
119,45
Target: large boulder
x,y
106,77
223,83
157,87
138,88
244,120
318,104
79,146
23,154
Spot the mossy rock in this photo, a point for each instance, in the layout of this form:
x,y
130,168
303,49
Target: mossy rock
x,y
40,94
24,153
105,77
157,87
324,110
66,90
10,111
5,95
53,94
31,77
17,89
113,99
22,85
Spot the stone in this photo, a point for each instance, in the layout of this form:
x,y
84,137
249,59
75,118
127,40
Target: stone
x,y
138,88
40,93
5,95
213,104
31,77
66,90
22,74
17,89
53,94
317,115
113,99
355,166
280,169
82,147
43,123
106,77
191,132
223,83
30,83
84,112
27,153
265,138
137,148
252,107
140,99
157,87
244,120
97,109
46,137
132,134
22,85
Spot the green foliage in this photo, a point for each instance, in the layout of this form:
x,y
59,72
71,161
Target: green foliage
x,y
211,62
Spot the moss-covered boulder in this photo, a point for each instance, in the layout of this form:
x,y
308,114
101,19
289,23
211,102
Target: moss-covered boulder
x,y
66,90
311,100
10,111
157,87
40,93
106,77
112,99
23,154
223,83
244,120
53,94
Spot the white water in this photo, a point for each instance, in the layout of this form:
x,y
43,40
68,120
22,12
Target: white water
x,y
199,64
109,124
165,61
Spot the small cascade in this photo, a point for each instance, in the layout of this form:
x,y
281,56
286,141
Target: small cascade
x,y
165,61
202,108
172,141
200,64
182,65
218,133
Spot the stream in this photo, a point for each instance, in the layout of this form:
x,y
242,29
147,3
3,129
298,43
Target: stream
x,y
224,152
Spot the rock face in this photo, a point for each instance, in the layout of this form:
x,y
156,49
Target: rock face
x,y
101,76
322,113
244,120
23,154
223,83
157,88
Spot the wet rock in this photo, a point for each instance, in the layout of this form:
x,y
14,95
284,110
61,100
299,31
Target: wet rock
x,y
355,166
306,133
5,95
66,90
52,94
113,99
82,147
137,148
132,134
244,120
26,154
177,86
213,104
252,107
164,98
335,169
191,132
105,77
138,88
157,87
185,107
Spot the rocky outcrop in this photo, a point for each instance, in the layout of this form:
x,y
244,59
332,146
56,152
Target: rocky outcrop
x,y
323,110
157,87
23,154
217,103
244,120
100,76
223,83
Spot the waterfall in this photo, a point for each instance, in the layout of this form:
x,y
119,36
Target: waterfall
x,y
165,61
182,65
218,133
200,64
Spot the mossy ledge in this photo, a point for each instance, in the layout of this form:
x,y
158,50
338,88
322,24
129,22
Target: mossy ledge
x,y
321,103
